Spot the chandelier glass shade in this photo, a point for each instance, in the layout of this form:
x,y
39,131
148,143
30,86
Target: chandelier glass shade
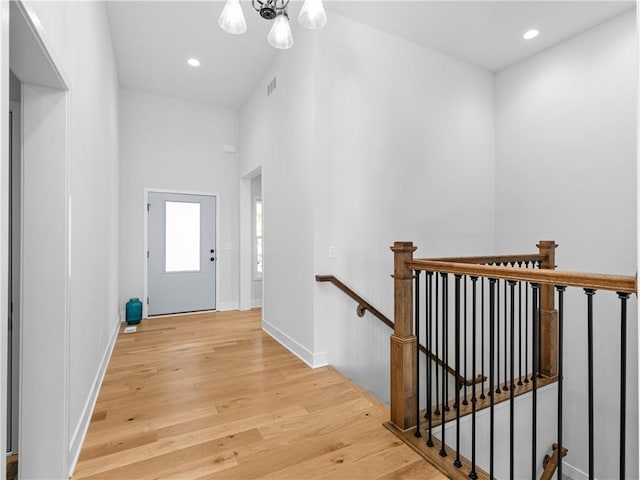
x,y
312,16
280,35
232,19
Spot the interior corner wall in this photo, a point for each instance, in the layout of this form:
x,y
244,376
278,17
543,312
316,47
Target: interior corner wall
x,y
276,133
79,35
566,171
176,145
404,151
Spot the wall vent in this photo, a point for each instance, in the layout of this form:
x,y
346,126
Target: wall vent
x,y
272,86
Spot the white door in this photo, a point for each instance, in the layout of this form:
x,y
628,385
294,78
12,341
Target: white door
x,y
182,253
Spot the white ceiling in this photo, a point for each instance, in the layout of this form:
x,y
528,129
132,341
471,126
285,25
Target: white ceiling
x,y
153,39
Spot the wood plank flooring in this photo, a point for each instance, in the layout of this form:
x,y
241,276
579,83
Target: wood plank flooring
x,y
212,396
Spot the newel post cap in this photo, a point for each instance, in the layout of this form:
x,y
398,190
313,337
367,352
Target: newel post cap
x,y
547,244
403,247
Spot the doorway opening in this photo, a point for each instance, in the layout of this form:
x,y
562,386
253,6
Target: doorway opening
x,y
252,207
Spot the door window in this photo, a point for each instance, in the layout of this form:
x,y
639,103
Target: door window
x,y
182,233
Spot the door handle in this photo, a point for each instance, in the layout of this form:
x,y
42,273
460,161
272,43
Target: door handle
x,y
212,251
212,259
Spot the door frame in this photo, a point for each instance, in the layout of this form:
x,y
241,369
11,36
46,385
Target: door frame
x,y
44,430
15,270
147,190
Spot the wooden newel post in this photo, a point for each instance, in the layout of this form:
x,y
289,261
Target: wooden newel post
x,y
548,314
403,342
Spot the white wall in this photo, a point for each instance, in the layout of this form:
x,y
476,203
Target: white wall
x,y
276,133
79,35
353,118
176,145
566,171
405,152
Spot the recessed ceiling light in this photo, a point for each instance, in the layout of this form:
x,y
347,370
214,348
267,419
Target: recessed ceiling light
x,y
530,34
194,62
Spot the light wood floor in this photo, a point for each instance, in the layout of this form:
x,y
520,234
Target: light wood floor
x,y
213,396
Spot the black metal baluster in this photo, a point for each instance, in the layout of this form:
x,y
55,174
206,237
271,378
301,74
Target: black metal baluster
x,y
526,335
505,387
590,293
429,360
465,402
498,389
482,395
492,322
457,462
473,475
443,451
539,370
623,380
417,334
512,291
437,410
445,311
534,377
427,345
520,331
561,290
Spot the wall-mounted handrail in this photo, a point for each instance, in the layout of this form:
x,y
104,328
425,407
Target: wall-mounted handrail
x,y
363,306
616,283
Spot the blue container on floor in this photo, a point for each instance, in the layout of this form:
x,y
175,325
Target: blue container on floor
x,y
133,310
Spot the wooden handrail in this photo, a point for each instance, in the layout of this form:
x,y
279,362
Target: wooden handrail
x,y
363,306
494,259
616,283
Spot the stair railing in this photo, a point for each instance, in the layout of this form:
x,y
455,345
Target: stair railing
x,y
493,298
364,305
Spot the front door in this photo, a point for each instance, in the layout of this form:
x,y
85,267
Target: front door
x,y
182,253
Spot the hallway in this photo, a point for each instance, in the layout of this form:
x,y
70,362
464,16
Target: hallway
x,y
212,396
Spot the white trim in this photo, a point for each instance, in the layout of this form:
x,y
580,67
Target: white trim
x,y
573,472
320,359
314,360
67,281
4,218
226,306
145,309
256,303
80,433
39,34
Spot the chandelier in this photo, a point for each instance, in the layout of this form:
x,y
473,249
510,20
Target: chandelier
x,y
311,16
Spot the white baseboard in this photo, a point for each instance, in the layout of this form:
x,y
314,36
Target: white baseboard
x,y
314,360
85,419
256,302
226,306
573,472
